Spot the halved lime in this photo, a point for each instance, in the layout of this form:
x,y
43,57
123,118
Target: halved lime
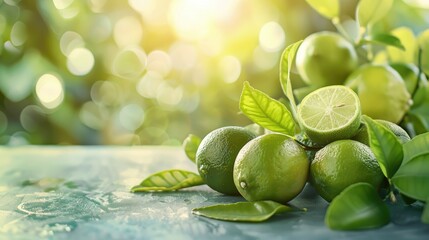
x,y
330,113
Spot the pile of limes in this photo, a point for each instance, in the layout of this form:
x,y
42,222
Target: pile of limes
x,y
273,166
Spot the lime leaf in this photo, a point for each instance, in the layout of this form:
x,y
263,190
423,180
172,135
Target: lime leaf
x,y
423,41
190,144
386,40
369,12
412,178
168,180
385,145
417,146
265,111
286,62
419,112
242,211
409,41
425,215
327,8
357,207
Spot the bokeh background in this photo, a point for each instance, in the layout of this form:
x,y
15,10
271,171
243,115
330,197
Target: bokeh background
x,y
147,72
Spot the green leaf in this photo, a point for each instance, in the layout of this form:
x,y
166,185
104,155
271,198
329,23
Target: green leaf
x,y
242,211
286,62
357,207
265,111
385,146
168,180
417,146
385,40
327,8
423,40
369,12
419,112
412,178
190,144
425,215
409,41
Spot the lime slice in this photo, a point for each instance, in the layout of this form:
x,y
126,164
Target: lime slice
x,y
330,113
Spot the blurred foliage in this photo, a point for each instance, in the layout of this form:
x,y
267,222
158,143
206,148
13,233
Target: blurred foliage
x,y
146,71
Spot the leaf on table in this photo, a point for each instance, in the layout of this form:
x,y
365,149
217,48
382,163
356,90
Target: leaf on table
x,y
328,8
385,146
385,40
265,111
357,207
242,211
417,146
190,145
425,214
369,12
412,178
168,180
286,61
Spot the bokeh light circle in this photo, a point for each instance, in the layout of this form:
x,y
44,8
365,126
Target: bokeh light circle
x,y
49,91
272,37
80,61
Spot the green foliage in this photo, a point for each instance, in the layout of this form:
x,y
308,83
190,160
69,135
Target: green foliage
x,y
357,207
242,211
417,146
190,145
412,179
385,40
386,147
327,8
168,180
265,111
369,12
286,62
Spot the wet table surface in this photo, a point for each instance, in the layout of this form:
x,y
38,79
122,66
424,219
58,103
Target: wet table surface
x,y
83,193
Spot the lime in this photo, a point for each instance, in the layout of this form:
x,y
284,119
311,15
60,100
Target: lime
x,y
325,58
382,92
341,164
271,167
330,113
216,155
400,133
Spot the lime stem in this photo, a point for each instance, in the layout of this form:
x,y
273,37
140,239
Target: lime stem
x,y
339,27
391,192
306,147
419,65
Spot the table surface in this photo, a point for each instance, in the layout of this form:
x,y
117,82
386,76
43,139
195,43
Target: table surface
x,y
83,193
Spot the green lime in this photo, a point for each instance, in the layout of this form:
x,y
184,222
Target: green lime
x,y
271,167
400,133
341,164
216,155
382,92
330,113
325,58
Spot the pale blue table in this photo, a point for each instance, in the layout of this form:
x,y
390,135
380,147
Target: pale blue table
x,y
83,193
